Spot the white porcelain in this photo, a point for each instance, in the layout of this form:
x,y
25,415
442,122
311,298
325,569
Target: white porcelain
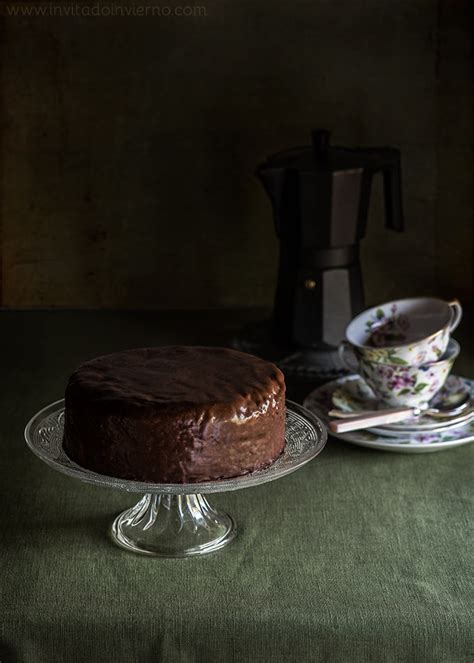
x,y
319,401
406,332
369,419
354,396
398,385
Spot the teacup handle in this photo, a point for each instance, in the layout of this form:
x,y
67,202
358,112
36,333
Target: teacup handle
x,y
348,360
456,314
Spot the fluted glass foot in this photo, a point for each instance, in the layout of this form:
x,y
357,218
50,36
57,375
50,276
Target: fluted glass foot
x,y
173,526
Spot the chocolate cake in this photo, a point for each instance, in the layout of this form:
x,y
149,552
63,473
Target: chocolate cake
x,y
175,414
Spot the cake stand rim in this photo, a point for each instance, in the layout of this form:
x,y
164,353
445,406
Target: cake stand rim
x,y
248,480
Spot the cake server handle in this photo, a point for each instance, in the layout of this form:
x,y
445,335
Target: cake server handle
x,y
376,418
343,414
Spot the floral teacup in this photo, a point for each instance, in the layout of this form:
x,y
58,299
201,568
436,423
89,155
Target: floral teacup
x,y
398,385
407,332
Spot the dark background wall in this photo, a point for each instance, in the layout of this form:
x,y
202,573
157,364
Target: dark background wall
x,y
129,146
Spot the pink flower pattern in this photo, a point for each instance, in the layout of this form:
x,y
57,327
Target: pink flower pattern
x,y
401,382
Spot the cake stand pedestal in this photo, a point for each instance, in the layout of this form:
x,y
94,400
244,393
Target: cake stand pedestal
x,y
176,520
173,526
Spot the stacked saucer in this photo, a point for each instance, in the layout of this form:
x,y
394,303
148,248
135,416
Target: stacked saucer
x,y
424,433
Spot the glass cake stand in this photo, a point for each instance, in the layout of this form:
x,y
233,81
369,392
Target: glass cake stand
x,y
176,520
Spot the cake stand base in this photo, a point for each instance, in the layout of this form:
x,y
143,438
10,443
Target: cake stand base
x,y
164,525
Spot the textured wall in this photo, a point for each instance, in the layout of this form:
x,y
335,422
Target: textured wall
x,y
129,146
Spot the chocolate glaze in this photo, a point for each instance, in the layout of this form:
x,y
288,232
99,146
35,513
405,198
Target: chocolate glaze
x,y
175,414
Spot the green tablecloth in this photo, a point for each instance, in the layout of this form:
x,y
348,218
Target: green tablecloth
x,y
359,556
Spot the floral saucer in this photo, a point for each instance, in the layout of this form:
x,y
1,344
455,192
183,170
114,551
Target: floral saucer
x,y
320,401
354,395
